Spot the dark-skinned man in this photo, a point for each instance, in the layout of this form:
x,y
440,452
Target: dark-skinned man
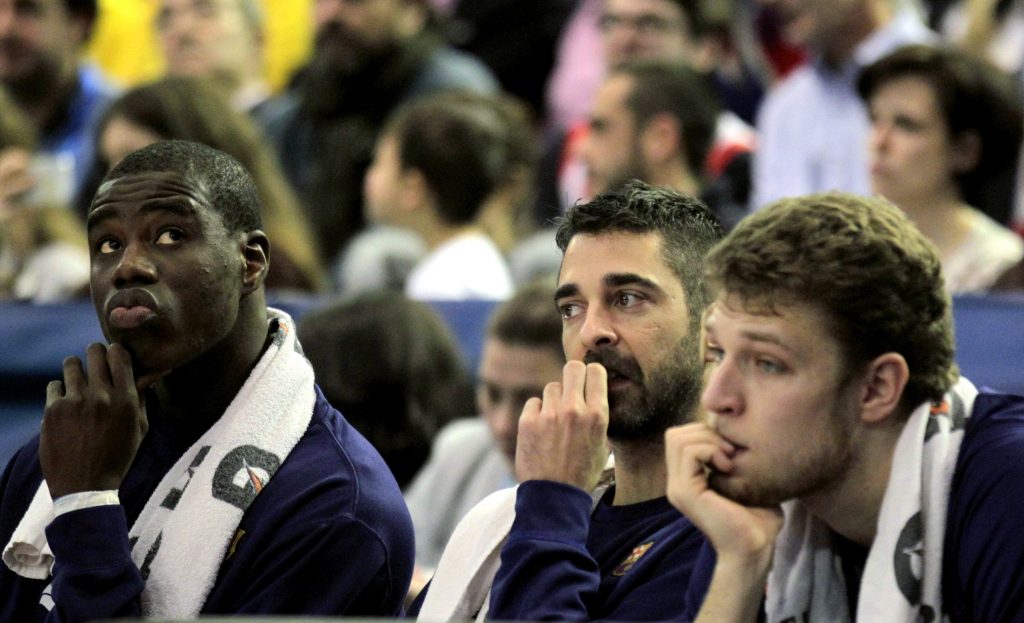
x,y
193,464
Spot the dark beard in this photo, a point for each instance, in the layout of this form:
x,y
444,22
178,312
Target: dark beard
x,y
371,87
36,85
664,398
340,50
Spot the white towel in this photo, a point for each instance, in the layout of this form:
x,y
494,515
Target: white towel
x,y
183,532
28,554
461,586
902,578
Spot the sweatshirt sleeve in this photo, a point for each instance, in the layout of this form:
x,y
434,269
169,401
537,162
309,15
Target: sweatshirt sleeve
x,y
546,571
94,576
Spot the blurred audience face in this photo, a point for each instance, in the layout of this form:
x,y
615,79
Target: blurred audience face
x,y
511,374
208,38
121,137
912,154
814,23
351,32
645,29
39,42
612,150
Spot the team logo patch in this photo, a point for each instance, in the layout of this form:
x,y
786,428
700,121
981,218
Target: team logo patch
x,y
628,562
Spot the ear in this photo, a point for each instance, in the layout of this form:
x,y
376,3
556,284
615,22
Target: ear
x,y
256,253
966,152
661,138
885,379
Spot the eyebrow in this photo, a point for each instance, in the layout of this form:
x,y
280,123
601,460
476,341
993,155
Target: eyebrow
x,y
611,280
181,207
753,336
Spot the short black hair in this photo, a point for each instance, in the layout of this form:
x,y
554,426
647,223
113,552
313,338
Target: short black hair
x,y
688,230
661,87
231,189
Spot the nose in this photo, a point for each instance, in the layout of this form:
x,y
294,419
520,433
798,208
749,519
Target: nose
x,y
722,393
597,329
879,136
134,267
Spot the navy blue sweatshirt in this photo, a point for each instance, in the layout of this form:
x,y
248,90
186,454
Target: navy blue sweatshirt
x,y
328,535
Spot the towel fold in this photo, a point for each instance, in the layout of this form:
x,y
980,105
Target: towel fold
x,y
28,554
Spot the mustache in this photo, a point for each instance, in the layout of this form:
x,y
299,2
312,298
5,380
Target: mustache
x,y
615,363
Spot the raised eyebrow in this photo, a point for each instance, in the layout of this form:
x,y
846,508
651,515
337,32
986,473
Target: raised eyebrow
x,y
174,206
564,290
756,336
617,280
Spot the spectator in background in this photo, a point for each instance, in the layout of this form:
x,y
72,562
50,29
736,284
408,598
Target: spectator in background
x,y
368,58
192,109
655,122
40,42
43,252
393,368
474,457
667,31
384,255
438,160
217,39
812,126
515,38
946,130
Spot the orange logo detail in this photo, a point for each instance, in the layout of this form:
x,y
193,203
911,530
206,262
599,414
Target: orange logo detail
x,y
628,562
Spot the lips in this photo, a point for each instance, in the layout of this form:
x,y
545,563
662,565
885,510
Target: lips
x,y
130,309
737,446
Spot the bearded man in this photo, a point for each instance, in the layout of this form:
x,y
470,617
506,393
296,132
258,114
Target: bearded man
x,y
631,296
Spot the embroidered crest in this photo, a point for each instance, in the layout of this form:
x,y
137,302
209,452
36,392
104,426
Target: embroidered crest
x,y
628,562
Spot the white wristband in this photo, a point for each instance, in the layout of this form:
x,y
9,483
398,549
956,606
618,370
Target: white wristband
x,y
84,499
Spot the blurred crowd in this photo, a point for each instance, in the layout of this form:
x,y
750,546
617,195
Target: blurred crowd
x,y
427,146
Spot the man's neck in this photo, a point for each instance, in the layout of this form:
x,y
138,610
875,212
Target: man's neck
x,y
864,21
640,472
676,176
852,505
201,390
